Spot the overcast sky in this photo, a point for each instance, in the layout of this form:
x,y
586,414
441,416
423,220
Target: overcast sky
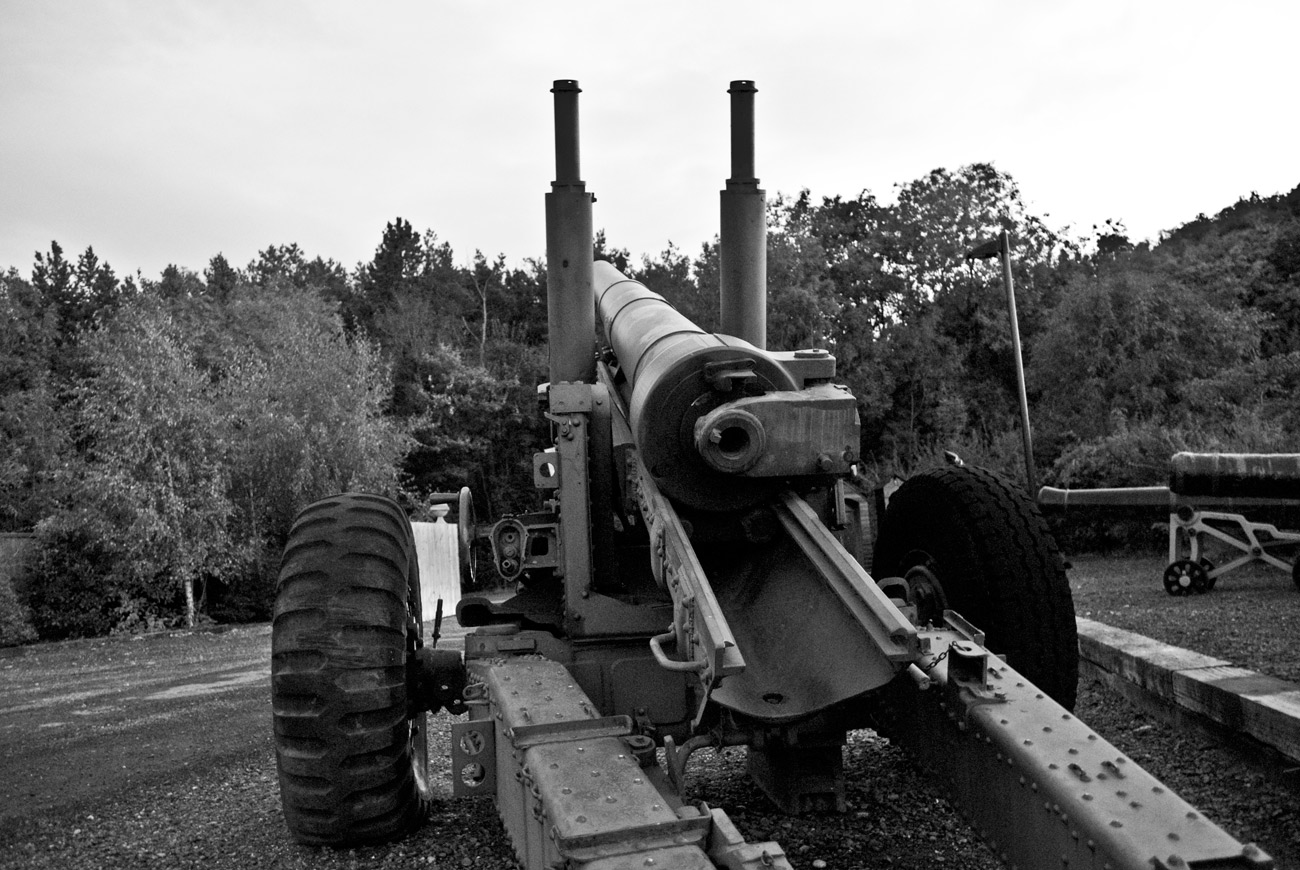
x,y
166,131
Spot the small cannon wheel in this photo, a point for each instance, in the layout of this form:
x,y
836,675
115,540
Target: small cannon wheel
x,y
1185,577
351,753
966,539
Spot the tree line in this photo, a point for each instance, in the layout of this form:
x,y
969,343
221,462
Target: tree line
x,y
160,435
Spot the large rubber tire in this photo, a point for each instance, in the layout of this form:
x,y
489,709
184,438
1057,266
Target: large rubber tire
x,y
352,758
987,545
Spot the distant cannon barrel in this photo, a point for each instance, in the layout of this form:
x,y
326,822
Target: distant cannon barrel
x,y
1236,475
1120,496
1226,481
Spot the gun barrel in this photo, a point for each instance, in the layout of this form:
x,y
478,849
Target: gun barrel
x,y
1236,475
676,374
1123,496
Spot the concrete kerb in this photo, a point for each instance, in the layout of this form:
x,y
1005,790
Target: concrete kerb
x,y
1187,688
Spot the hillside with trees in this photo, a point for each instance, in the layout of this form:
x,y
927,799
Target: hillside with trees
x,y
158,436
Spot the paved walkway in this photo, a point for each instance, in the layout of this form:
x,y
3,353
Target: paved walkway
x,y
1191,688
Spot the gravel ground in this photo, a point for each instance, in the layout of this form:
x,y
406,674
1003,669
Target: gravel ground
x,y
230,817
1251,618
220,808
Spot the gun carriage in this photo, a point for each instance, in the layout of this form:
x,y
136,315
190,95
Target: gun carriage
x,y
698,576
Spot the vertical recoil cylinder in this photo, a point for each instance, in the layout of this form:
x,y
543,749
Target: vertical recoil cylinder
x,y
571,320
742,290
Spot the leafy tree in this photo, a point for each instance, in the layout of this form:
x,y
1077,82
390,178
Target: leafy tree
x,y
176,283
302,405
79,295
469,428
522,302
281,265
1128,344
52,276
485,278
32,441
146,490
220,277
801,302
31,435
191,451
619,258
30,330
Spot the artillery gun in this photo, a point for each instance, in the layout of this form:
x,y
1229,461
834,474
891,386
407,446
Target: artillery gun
x,y
1205,495
698,576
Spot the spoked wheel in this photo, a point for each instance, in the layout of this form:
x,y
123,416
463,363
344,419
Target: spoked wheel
x,y
350,750
1185,577
967,540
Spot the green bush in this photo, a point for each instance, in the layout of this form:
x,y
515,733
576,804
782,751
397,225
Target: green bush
x,y
246,594
76,587
1137,456
1002,453
15,623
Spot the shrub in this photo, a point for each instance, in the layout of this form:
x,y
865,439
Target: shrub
x,y
77,586
15,622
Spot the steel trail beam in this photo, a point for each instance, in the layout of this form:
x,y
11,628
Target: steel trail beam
x,y
578,790
1038,784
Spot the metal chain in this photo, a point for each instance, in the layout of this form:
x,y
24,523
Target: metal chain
x,y
940,657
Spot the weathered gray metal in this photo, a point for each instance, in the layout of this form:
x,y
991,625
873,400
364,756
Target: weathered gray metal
x,y
568,250
742,299
695,577
1026,431
777,637
1002,249
719,423
1233,475
1049,791
577,789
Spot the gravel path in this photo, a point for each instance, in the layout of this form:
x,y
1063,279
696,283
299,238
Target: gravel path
x,y
1251,618
229,816
145,772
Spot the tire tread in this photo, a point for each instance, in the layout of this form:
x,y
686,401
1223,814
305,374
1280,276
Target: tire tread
x,y
338,674
980,525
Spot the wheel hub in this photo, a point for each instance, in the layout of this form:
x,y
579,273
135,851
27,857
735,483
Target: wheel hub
x,y
925,593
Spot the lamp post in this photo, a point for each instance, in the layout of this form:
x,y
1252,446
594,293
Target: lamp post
x,y
1001,247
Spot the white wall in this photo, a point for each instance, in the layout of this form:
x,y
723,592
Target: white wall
x,y
437,546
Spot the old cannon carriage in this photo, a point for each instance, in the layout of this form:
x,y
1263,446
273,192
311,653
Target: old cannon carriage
x,y
698,575
1205,497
